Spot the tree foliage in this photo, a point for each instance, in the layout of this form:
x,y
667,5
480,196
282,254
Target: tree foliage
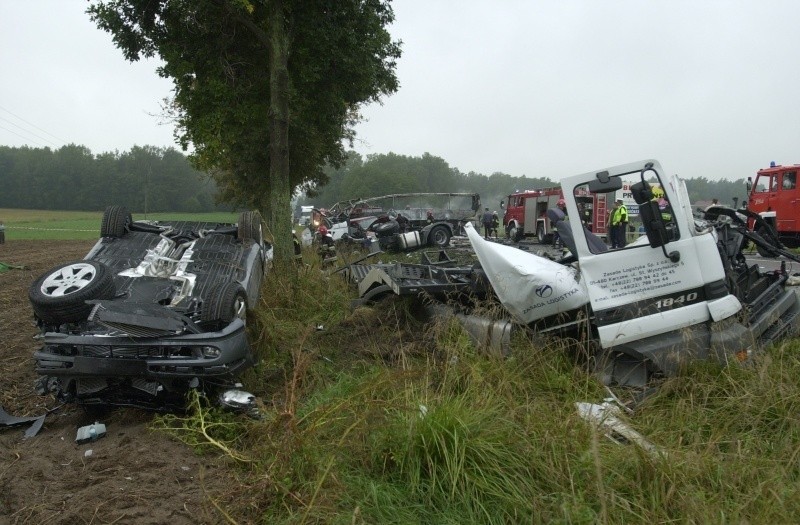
x,y
383,174
264,90
72,178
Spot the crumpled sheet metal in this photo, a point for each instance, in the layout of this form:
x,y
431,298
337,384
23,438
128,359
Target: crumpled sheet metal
x,y
8,421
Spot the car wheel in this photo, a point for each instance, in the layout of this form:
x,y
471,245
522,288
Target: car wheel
x,y
224,303
439,236
60,295
250,227
764,252
116,219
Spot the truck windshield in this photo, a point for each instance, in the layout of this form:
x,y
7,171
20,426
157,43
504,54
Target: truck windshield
x,y
620,214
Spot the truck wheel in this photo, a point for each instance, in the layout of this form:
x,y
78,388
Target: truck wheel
x,y
511,232
224,303
249,227
59,296
540,236
439,236
115,220
386,228
764,252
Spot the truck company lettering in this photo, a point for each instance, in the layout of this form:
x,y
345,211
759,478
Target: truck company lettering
x,y
633,279
553,300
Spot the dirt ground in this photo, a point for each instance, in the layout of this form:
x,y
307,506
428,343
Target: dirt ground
x,y
132,475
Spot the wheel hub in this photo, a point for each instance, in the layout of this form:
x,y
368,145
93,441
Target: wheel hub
x,y
68,280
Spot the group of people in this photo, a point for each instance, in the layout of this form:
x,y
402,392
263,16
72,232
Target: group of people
x,y
491,224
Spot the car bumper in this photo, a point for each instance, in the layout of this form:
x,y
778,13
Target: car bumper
x,y
218,354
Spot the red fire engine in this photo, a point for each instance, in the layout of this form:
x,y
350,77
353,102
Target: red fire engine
x,y
526,213
775,196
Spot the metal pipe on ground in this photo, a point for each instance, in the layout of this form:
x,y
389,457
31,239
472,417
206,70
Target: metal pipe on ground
x,y
492,337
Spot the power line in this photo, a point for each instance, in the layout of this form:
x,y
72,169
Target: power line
x,y
34,125
29,132
25,138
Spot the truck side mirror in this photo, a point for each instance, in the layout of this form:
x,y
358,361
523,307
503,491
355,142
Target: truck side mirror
x,y
749,184
653,223
656,229
642,193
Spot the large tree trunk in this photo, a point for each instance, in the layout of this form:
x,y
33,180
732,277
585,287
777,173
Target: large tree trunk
x,y
280,197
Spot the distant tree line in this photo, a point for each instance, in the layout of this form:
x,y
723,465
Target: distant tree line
x,y
153,179
72,178
384,174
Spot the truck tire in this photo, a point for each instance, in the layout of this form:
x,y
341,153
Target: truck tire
x,y
764,252
540,236
115,221
439,236
59,295
385,229
511,232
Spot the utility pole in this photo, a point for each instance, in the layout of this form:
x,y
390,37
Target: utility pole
x,y
146,188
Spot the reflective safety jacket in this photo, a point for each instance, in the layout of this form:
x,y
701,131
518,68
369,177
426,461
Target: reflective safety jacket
x,y
619,215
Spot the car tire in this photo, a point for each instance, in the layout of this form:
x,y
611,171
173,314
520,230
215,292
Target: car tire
x,y
59,295
764,252
250,227
116,220
439,236
224,303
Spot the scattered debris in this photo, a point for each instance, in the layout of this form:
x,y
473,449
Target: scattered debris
x,y
7,420
240,401
89,433
4,267
606,417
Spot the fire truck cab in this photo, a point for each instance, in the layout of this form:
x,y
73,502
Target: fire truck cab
x,y
775,196
525,213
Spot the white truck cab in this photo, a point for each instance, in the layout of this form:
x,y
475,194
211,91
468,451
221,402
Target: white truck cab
x,y
659,299
653,305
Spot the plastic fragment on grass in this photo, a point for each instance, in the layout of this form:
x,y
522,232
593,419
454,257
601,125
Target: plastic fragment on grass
x,y
4,267
606,418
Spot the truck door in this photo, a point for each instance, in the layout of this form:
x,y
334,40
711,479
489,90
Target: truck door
x,y
787,204
765,190
639,291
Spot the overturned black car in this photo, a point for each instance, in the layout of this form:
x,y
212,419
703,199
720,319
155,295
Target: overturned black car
x,y
153,310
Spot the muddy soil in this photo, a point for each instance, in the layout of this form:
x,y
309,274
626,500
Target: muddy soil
x,y
133,475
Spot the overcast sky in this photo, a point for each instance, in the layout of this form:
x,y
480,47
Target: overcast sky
x,y
537,88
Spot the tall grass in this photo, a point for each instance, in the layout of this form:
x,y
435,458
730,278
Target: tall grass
x,y
376,416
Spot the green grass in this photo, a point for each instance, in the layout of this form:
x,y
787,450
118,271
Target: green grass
x,y
66,225
381,417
